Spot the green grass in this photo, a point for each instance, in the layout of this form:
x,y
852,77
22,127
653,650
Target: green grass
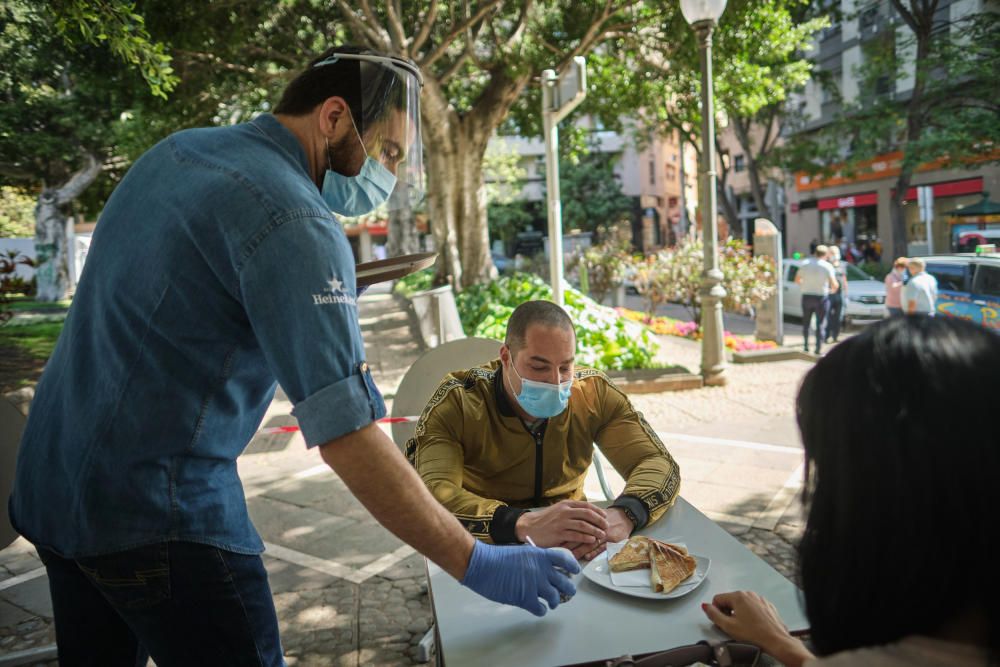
x,y
38,340
22,303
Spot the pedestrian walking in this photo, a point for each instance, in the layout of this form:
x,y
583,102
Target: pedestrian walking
x,y
218,270
817,280
894,281
920,292
835,315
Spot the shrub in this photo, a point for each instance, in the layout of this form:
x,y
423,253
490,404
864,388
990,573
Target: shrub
x,y
675,276
409,285
605,340
10,283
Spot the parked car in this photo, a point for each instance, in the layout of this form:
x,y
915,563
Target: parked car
x,y
968,286
865,295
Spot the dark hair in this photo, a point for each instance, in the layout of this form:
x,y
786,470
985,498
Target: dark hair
x,y
314,85
902,458
544,313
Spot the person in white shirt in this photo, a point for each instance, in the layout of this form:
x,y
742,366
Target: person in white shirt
x,y
818,280
920,293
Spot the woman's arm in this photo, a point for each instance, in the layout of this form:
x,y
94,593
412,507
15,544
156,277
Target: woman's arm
x,y
746,616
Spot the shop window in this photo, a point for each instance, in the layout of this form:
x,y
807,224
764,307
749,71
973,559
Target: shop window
x,y
987,281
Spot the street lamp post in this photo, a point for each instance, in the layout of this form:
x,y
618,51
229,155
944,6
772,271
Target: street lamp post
x,y
702,15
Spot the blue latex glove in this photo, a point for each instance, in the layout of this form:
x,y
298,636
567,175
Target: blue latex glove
x,y
520,575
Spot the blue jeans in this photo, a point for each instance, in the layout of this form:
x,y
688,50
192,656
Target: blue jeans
x,y
818,305
180,603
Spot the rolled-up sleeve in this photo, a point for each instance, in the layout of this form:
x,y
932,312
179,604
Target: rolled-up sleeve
x,y
298,289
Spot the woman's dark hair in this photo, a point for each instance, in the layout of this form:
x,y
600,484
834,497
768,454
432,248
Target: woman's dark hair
x,y
343,78
902,488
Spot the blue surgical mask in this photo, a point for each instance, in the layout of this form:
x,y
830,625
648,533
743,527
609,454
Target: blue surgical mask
x,y
352,196
542,399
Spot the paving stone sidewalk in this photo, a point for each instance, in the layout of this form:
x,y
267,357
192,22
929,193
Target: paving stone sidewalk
x,y
349,593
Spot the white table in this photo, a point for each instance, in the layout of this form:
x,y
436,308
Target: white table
x,y
600,623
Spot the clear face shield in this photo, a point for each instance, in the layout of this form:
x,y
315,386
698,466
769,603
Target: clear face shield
x,y
389,122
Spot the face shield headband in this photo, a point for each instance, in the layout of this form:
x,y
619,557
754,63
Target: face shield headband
x,y
389,120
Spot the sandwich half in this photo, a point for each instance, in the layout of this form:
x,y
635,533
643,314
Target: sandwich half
x,y
633,556
668,566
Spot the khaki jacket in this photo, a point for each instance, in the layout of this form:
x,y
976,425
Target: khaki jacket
x,y
480,460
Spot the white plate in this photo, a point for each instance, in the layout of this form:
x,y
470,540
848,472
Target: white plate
x,y
599,572
394,267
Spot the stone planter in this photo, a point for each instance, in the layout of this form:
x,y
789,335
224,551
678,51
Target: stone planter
x,y
437,315
655,380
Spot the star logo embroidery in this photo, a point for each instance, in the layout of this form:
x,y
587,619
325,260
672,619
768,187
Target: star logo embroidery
x,y
335,285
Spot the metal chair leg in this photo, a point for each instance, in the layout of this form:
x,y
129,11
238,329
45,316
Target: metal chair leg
x,y
599,468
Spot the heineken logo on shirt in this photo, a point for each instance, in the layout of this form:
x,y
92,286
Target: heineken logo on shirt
x,y
334,293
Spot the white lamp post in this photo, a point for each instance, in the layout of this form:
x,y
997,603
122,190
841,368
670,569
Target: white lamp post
x,y
702,15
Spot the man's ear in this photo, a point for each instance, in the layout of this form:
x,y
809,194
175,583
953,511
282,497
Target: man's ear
x,y
333,112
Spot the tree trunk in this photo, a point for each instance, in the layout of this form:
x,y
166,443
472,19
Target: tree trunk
x,y
756,190
51,233
920,19
403,238
456,194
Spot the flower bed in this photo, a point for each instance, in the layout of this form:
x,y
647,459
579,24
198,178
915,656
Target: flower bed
x,y
667,326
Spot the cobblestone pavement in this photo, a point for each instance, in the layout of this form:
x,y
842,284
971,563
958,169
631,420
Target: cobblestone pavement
x,y
349,593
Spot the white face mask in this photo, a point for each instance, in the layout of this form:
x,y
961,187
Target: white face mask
x,y
352,196
542,399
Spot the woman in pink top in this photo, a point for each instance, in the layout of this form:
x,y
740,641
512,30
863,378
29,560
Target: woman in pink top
x,y
894,287
898,560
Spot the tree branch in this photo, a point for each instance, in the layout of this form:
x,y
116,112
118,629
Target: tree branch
x,y
374,38
79,181
396,32
454,67
216,60
522,22
457,31
905,13
426,25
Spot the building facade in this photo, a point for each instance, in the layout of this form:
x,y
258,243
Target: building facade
x,y
657,173
854,210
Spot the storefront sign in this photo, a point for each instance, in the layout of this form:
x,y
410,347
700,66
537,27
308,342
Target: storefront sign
x,y
884,166
851,201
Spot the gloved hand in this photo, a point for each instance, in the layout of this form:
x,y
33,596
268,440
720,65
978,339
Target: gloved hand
x,y
519,575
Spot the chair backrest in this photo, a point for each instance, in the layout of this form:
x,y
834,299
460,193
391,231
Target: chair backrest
x,y
426,373
11,427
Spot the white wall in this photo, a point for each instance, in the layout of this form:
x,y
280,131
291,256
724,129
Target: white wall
x,y
23,246
81,246
851,61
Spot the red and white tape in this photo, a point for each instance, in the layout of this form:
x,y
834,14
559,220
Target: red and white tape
x,y
271,430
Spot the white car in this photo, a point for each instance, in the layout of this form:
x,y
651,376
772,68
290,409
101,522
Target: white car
x,y
865,295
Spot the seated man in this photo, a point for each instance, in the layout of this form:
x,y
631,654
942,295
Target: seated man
x,y
519,433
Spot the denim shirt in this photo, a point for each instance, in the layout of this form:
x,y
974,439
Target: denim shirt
x,y
215,270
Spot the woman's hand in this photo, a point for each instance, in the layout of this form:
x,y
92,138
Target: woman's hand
x,y
746,616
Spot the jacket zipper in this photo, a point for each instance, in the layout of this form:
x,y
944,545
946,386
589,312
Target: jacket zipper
x,y
538,468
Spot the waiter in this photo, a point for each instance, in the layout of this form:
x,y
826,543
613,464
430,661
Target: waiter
x,y
217,271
